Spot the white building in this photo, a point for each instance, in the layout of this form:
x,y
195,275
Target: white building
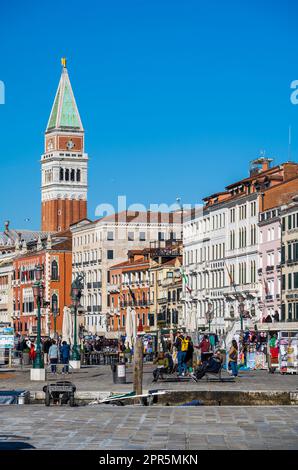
x,y
105,242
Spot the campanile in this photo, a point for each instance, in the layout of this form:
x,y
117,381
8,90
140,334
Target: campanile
x,y
64,163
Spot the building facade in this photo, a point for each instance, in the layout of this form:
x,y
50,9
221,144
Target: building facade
x,y
223,251
289,261
63,163
54,254
129,286
101,244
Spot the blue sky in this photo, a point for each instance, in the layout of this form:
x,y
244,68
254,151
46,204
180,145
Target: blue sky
x,y
176,97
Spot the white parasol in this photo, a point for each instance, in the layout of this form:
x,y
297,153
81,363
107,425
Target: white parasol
x,y
67,330
128,328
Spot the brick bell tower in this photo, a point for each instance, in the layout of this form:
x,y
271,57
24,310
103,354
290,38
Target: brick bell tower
x,y
64,163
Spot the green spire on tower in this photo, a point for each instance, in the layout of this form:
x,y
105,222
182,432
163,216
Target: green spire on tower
x,y
64,114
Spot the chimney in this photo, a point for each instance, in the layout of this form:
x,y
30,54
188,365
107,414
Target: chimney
x,y
265,164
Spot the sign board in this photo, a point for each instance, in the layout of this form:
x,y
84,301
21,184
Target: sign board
x,y
6,338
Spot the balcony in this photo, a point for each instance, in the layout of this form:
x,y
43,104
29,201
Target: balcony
x,y
260,270
269,268
96,308
269,298
96,285
162,300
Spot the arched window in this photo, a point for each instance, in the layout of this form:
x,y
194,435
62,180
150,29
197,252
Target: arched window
x,y
72,175
54,269
78,175
67,174
54,303
61,174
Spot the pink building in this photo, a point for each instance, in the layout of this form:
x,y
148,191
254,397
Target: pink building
x,y
269,263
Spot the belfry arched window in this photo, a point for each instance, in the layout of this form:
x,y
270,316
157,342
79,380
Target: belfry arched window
x,y
67,174
78,175
54,271
72,175
61,177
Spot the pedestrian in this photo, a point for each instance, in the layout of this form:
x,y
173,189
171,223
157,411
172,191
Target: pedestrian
x,y
64,355
189,353
233,358
205,347
32,352
162,366
53,356
46,346
181,344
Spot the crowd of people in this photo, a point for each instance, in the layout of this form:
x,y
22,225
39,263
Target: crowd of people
x,y
180,358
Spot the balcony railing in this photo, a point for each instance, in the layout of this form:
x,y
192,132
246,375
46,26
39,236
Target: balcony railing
x,y
162,300
96,285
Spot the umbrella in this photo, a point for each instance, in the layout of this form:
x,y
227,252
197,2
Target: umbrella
x,y
128,328
134,325
67,330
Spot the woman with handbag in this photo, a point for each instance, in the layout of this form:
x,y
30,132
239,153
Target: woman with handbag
x,y
233,358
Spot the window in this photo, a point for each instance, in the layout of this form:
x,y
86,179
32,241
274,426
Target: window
x,y
61,174
131,236
54,271
142,237
110,254
161,236
54,303
110,236
78,175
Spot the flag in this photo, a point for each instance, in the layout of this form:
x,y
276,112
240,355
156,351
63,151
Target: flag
x,y
230,276
185,279
132,294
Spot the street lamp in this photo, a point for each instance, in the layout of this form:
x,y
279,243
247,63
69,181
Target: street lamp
x,y
209,314
241,311
38,292
76,293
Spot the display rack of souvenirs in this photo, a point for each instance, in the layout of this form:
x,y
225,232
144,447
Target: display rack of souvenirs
x,y
288,352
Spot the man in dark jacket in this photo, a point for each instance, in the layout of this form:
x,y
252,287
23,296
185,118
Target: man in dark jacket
x,y
64,354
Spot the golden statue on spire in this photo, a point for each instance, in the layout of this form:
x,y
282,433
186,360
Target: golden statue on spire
x,y
63,62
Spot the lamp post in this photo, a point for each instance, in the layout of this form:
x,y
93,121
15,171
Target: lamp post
x,y
76,293
38,371
241,311
209,314
55,313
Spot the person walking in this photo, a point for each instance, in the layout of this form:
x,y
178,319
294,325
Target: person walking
x,y
233,358
64,355
46,346
181,344
205,347
53,356
189,353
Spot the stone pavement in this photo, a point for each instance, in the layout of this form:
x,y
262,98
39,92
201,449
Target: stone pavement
x,y
99,378
150,428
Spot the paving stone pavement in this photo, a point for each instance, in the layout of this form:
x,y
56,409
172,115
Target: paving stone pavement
x,y
99,378
149,428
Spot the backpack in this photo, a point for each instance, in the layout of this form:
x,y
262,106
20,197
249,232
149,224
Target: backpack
x,y
184,345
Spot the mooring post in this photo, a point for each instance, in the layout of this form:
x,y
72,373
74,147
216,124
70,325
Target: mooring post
x,y
138,366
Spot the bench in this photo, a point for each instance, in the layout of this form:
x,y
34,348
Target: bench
x,y
217,376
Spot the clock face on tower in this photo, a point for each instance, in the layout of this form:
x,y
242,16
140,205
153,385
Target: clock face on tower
x,y
70,145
